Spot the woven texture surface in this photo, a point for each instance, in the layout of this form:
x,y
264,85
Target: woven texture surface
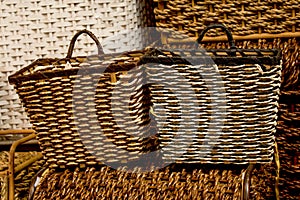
x,y
22,178
189,17
218,135
35,29
66,111
56,99
207,182
290,48
288,139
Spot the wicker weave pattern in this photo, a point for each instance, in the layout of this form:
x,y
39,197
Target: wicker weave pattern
x,y
67,128
189,17
287,137
241,141
34,29
106,183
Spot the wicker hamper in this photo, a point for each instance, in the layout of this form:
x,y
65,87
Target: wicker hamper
x,y
255,24
47,86
234,128
57,92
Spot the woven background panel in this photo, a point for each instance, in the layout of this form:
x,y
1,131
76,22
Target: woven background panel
x,y
36,29
246,17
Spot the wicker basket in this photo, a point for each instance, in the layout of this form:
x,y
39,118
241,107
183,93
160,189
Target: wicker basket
x,y
247,19
48,95
236,128
67,99
43,29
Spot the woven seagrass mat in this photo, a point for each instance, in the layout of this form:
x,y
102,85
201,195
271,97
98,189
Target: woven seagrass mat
x,y
167,183
35,29
23,178
189,17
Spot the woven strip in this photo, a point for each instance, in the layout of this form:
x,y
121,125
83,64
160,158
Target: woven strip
x,y
23,179
35,29
3,187
187,18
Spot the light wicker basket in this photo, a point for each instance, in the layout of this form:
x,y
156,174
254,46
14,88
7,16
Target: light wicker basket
x,y
32,29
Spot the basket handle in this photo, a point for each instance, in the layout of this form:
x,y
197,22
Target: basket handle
x,y
73,40
224,28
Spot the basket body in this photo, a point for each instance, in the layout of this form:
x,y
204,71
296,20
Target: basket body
x,y
240,132
72,113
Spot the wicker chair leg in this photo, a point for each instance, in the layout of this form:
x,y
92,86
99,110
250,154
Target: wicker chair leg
x,y
246,182
11,168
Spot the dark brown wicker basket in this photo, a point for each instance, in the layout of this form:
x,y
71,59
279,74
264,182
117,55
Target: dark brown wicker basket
x,y
67,99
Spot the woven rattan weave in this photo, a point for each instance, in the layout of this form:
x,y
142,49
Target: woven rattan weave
x,y
48,88
250,104
287,136
190,182
261,19
57,93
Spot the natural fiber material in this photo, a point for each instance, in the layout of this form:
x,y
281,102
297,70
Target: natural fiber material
x,y
35,29
67,99
106,183
239,140
173,182
288,137
22,178
57,97
189,17
290,47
